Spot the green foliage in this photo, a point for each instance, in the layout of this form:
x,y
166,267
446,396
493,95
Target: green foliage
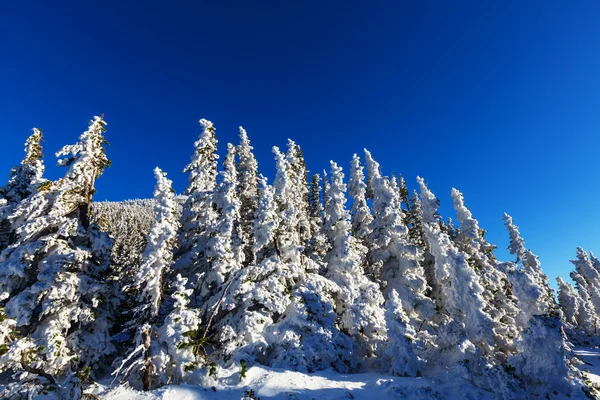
x,y
189,367
84,374
244,369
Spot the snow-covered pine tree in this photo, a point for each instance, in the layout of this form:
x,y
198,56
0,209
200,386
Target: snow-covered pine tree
x,y
415,222
583,266
198,215
404,197
288,240
224,249
265,224
390,248
53,279
399,351
298,176
568,300
501,305
359,301
587,315
181,334
466,332
23,181
543,362
529,283
357,190
318,245
247,188
146,365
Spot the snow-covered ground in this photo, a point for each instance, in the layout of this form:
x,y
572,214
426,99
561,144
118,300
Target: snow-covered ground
x,y
591,366
273,384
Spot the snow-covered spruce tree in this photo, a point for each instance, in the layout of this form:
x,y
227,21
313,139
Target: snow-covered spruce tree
x,y
587,316
390,248
501,305
23,181
401,338
198,214
543,362
415,222
298,175
318,245
529,283
288,239
147,364
265,224
53,279
568,300
583,266
359,301
357,190
224,249
465,336
247,188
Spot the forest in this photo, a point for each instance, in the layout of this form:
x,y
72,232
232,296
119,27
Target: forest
x,y
349,272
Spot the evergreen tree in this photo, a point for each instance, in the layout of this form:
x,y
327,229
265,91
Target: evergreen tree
x,y
390,248
357,189
247,188
529,283
543,361
318,245
501,305
569,301
146,364
224,249
288,240
23,181
583,266
298,177
359,300
53,282
198,213
266,224
401,339
415,222
459,296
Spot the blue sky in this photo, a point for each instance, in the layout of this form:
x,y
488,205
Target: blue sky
x,y
498,99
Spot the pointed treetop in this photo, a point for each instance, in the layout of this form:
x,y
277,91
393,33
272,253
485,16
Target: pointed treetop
x,y
469,227
203,165
429,203
517,244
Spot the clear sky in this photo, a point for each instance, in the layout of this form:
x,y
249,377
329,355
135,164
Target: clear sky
x,y
499,99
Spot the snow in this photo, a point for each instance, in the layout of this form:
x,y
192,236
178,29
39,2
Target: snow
x,y
275,384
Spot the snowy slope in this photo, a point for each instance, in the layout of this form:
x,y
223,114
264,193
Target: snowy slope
x,y
591,366
273,384
278,385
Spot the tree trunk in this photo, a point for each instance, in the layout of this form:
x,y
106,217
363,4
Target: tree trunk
x,y
147,375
